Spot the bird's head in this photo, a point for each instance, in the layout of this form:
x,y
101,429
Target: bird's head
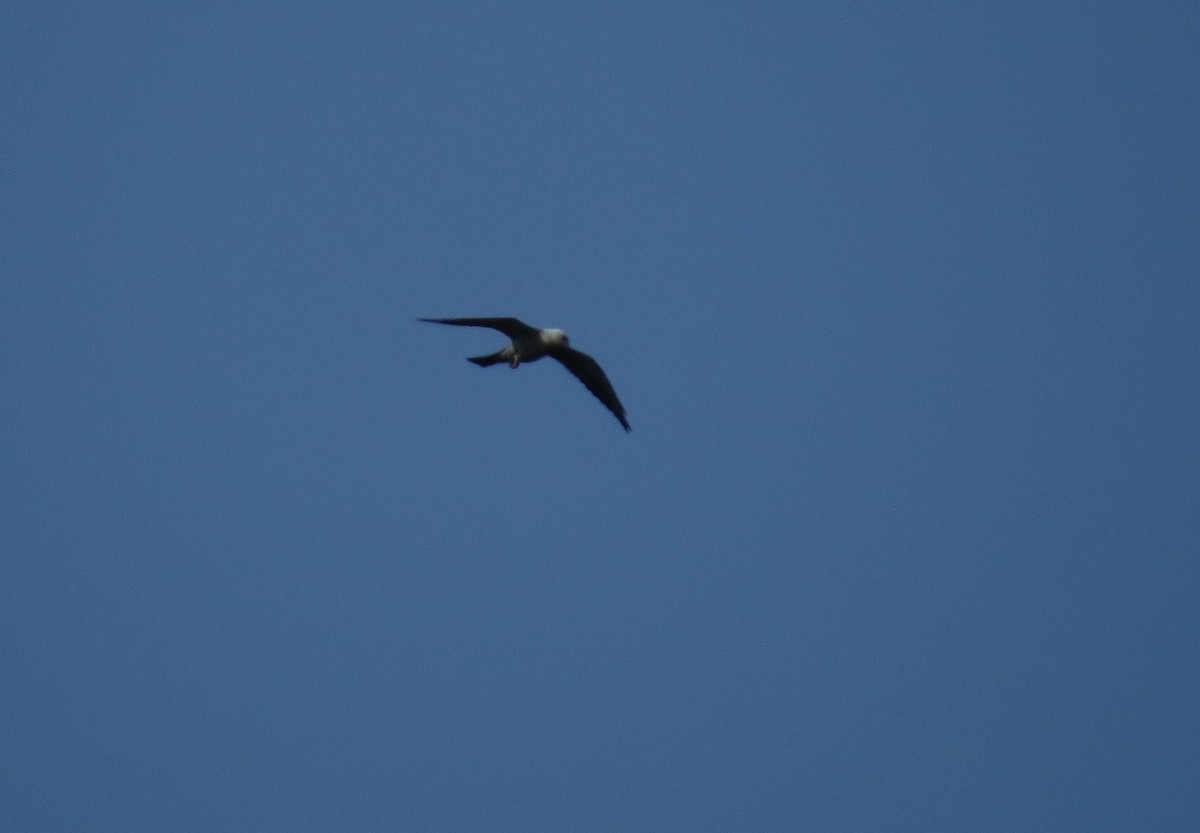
x,y
555,338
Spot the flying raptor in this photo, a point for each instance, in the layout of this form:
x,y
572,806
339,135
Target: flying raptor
x,y
529,344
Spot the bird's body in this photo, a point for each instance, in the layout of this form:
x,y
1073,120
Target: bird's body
x,y
530,344
524,348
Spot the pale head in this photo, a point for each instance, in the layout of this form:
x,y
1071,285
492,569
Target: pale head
x,y
554,338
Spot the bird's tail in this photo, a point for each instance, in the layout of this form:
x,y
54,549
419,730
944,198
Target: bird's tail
x,y
487,361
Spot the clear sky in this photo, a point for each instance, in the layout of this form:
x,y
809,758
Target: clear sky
x,y
903,301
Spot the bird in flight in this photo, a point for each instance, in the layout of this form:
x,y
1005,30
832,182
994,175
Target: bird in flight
x,y
529,344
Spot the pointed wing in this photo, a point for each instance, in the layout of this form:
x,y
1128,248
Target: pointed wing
x,y
587,370
511,327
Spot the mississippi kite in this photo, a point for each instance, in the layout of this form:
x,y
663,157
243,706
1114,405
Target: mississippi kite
x,y
529,344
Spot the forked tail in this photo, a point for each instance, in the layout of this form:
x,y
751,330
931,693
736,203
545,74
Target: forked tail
x,y
487,361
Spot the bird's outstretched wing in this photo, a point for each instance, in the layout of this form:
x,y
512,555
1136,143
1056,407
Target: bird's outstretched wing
x,y
511,327
588,370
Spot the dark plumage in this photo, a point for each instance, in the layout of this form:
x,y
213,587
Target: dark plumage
x,y
529,344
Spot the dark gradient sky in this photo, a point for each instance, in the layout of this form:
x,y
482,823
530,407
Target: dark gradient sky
x,y
904,303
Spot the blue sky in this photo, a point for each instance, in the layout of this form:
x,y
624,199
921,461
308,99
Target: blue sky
x,y
902,300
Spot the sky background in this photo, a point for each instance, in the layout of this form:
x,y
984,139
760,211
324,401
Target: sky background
x,y
903,301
